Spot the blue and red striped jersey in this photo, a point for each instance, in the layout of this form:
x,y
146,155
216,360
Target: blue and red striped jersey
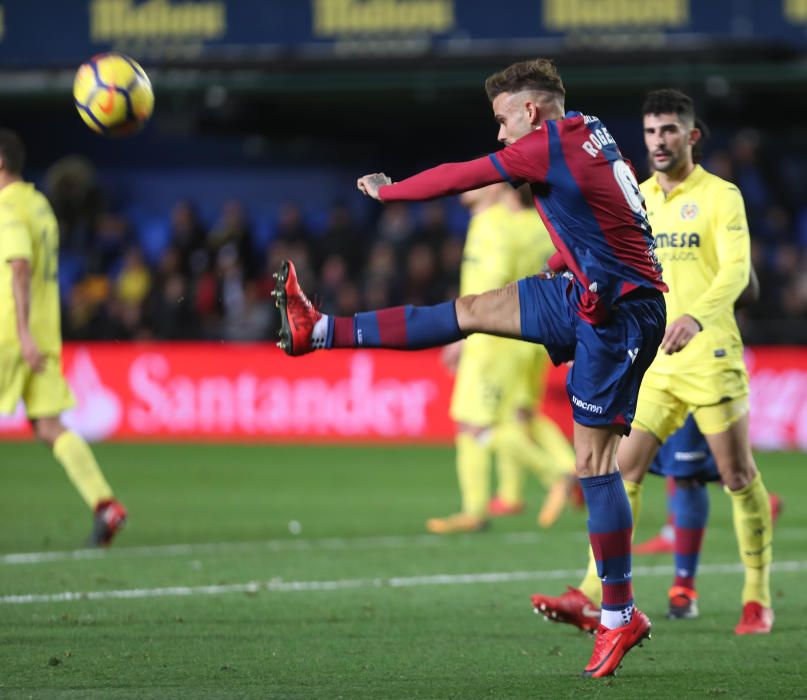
x,y
586,194
589,199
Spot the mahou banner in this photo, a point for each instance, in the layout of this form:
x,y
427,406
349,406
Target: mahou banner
x,y
220,392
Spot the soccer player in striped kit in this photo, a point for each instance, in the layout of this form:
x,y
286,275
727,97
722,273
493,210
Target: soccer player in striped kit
x,y
601,303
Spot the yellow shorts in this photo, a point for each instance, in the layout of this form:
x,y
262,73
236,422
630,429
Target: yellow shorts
x,y
497,377
45,393
716,402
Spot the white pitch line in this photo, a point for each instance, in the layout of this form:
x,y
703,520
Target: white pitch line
x,y
278,545
275,586
527,537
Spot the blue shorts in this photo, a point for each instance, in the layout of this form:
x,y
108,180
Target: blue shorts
x,y
686,455
610,359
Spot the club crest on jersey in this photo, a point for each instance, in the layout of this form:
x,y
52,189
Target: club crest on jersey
x,y
689,211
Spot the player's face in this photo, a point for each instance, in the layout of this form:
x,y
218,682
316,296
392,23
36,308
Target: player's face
x,y
516,116
668,141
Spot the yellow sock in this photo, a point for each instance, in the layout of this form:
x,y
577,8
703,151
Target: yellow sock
x,y
557,451
473,470
78,461
751,508
591,584
510,473
540,446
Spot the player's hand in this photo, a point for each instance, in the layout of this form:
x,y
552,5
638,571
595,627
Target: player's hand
x,y
679,333
31,354
451,356
370,184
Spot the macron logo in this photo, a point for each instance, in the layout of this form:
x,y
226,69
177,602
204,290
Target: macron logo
x,y
633,354
590,407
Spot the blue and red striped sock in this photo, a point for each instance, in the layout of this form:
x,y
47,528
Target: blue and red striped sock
x,y
610,525
691,512
399,327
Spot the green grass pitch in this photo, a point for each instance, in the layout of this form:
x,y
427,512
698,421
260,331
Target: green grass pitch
x,y
209,594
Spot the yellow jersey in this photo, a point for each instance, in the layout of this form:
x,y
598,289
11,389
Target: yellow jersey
x,y
703,244
28,230
503,246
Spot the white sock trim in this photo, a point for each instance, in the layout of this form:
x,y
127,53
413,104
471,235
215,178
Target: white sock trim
x,y
616,618
319,335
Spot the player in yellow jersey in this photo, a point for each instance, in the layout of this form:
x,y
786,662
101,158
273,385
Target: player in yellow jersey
x,y
30,335
500,380
703,243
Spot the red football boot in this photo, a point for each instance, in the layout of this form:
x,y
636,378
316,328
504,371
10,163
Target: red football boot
x,y
683,603
655,545
297,313
755,619
498,508
110,517
573,607
610,646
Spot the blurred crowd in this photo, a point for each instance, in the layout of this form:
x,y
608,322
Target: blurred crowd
x,y
211,280
774,186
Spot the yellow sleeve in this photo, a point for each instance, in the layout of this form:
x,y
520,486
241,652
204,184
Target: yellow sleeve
x,y
15,240
733,259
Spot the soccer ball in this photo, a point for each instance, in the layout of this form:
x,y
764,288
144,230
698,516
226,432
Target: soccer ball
x,y
113,94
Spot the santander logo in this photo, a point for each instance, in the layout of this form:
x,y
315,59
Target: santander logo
x,y
165,401
98,411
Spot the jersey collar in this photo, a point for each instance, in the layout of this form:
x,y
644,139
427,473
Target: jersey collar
x,y
688,184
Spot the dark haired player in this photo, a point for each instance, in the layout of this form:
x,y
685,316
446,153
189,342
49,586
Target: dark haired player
x,y
703,240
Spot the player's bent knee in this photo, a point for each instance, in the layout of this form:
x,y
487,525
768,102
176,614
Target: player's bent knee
x,y
737,473
47,429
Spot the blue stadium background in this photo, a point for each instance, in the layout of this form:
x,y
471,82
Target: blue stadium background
x,y
268,111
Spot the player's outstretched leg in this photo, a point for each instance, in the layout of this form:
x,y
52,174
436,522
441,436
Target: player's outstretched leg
x,y
303,328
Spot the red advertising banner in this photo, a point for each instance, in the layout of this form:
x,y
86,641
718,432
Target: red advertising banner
x,y
220,392
251,392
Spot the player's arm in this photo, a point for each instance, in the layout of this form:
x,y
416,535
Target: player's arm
x,y
21,289
16,251
526,160
446,179
733,275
